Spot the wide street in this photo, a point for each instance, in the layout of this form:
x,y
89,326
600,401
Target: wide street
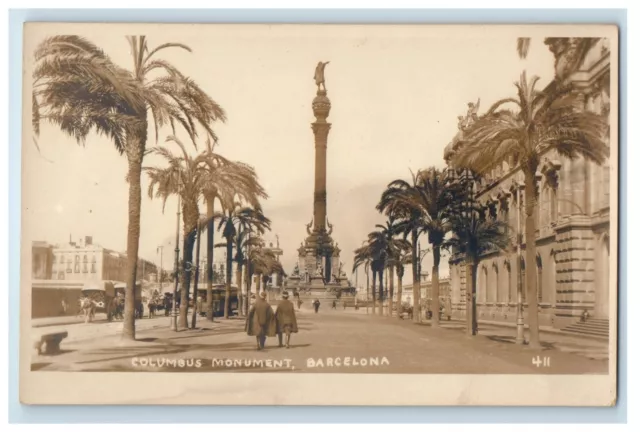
x,y
330,341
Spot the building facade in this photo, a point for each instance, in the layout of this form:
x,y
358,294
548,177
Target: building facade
x,y
571,215
41,260
426,296
84,260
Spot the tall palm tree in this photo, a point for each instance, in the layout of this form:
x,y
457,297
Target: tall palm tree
x,y
78,88
396,202
226,181
181,176
433,198
403,259
243,242
544,121
246,218
390,249
366,256
475,235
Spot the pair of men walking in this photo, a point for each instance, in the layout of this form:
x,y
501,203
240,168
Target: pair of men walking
x,y
262,322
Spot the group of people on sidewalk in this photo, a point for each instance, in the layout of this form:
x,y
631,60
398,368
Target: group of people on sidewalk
x,y
262,322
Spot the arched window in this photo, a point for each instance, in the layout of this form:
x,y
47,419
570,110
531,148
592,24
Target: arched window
x,y
485,285
492,290
507,268
76,267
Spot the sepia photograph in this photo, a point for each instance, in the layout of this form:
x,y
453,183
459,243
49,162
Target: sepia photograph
x,y
319,214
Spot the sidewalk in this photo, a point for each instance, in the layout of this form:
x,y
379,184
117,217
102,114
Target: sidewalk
x,y
65,320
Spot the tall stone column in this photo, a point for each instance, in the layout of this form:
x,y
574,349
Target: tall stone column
x,y
321,107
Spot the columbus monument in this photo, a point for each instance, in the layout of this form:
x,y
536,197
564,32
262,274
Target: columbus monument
x,y
319,270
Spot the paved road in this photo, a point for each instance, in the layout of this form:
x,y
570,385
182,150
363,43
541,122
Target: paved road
x,y
330,341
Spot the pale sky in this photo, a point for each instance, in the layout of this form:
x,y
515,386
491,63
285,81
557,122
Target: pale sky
x,y
396,93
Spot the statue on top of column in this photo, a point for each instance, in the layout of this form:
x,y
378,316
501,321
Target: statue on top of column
x,y
319,76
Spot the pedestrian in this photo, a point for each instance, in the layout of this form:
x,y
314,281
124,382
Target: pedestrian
x,y
333,305
64,306
316,305
261,321
285,319
299,303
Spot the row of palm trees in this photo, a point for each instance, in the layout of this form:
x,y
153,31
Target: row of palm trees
x,y
519,130
80,90
437,204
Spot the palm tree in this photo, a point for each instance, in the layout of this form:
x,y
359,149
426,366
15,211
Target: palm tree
x,y
474,235
182,176
246,218
390,249
396,202
366,256
243,242
78,88
433,198
545,121
403,259
264,263
225,181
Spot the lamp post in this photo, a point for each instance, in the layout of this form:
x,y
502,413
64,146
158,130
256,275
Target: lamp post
x,y
174,311
196,295
520,305
160,249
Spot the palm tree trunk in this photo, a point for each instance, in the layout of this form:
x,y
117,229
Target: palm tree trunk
x,y
258,280
399,296
435,287
227,288
247,277
531,268
185,278
239,285
135,151
194,316
416,276
390,279
210,248
472,324
373,293
381,291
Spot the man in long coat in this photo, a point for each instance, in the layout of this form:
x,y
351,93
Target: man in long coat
x,y
261,321
286,319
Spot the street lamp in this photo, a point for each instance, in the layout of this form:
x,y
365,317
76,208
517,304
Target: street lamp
x,y
520,299
174,311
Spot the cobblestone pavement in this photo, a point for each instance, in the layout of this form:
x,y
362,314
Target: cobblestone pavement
x,y
330,341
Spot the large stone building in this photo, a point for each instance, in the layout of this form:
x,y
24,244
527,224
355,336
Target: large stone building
x,y
84,260
572,219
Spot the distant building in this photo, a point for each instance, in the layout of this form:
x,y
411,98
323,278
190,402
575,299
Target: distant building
x,y
425,290
84,260
42,260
